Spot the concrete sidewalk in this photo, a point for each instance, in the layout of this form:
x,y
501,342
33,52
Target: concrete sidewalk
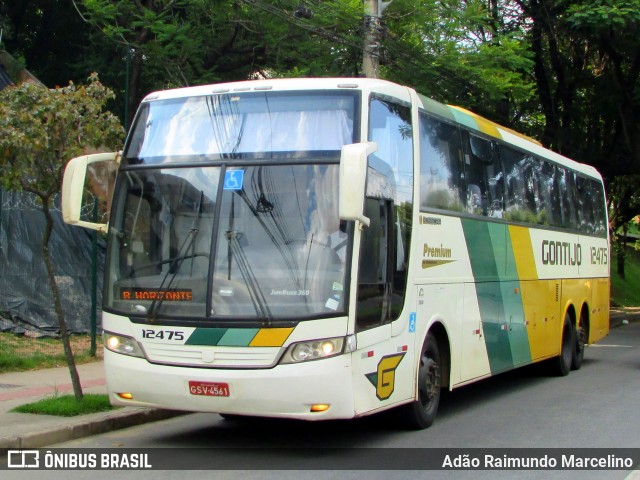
x,y
24,430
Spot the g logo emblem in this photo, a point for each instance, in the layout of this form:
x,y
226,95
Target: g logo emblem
x,y
384,378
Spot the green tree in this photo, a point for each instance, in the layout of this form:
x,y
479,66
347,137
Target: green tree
x,y
48,36
587,72
175,43
41,130
472,53
609,29
624,206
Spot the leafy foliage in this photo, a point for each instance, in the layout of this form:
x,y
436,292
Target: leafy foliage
x,y
43,128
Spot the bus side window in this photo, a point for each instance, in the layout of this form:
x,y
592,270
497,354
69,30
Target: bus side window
x,y
599,208
566,184
390,127
520,186
585,205
441,185
484,178
549,196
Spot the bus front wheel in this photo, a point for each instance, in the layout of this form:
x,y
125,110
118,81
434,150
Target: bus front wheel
x,y
422,412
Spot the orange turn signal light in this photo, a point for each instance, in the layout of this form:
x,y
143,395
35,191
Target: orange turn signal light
x,y
319,407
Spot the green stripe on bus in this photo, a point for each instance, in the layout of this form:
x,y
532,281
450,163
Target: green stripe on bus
x,y
496,333
464,118
499,299
437,108
238,337
480,248
206,336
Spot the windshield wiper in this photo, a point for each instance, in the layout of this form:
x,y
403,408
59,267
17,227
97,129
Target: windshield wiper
x,y
258,299
235,251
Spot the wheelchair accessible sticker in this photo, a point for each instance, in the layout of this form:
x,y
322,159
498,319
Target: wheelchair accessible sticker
x,y
233,179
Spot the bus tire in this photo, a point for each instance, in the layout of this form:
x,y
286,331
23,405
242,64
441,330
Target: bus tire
x,y
422,412
580,341
561,365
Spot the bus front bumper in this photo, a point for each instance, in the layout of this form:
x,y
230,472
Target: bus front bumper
x,y
297,391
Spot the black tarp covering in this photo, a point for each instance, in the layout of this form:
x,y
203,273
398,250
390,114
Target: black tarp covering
x,y
5,81
26,301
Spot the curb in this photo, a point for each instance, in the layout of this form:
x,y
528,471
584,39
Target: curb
x,y
64,433
618,315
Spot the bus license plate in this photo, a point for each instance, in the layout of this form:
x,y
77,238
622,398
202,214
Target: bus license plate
x,y
209,389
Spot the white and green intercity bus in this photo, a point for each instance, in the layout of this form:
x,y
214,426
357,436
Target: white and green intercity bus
x,y
331,248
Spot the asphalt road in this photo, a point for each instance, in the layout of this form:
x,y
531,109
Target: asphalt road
x,y
595,407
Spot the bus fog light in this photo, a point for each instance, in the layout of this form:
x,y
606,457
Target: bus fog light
x,y
121,344
313,350
319,407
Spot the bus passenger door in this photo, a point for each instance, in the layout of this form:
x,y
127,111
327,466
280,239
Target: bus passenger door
x,y
382,366
374,282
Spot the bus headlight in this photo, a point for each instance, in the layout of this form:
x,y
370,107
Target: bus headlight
x,y
122,344
313,350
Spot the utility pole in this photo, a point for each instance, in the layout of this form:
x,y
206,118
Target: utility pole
x,y
372,32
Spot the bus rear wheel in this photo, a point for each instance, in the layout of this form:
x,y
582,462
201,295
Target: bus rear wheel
x,y
580,341
422,412
561,365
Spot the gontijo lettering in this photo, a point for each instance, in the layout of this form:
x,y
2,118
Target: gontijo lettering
x,y
561,253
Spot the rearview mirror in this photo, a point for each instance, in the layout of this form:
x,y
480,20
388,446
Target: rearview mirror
x,y
353,180
73,187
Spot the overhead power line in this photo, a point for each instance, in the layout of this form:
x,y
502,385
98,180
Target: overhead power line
x,y
395,52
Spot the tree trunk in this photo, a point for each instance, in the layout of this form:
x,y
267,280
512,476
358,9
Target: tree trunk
x,y
622,250
620,258
73,371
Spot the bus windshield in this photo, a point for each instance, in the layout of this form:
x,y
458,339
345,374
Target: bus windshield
x,y
249,125
279,250
196,234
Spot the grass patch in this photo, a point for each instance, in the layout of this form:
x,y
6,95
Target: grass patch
x,y
21,353
626,293
67,405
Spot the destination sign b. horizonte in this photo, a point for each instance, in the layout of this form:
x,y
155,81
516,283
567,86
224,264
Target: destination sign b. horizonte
x,y
624,459
170,295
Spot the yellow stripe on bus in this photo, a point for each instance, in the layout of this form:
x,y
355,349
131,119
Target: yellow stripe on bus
x,y
485,126
271,337
523,253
